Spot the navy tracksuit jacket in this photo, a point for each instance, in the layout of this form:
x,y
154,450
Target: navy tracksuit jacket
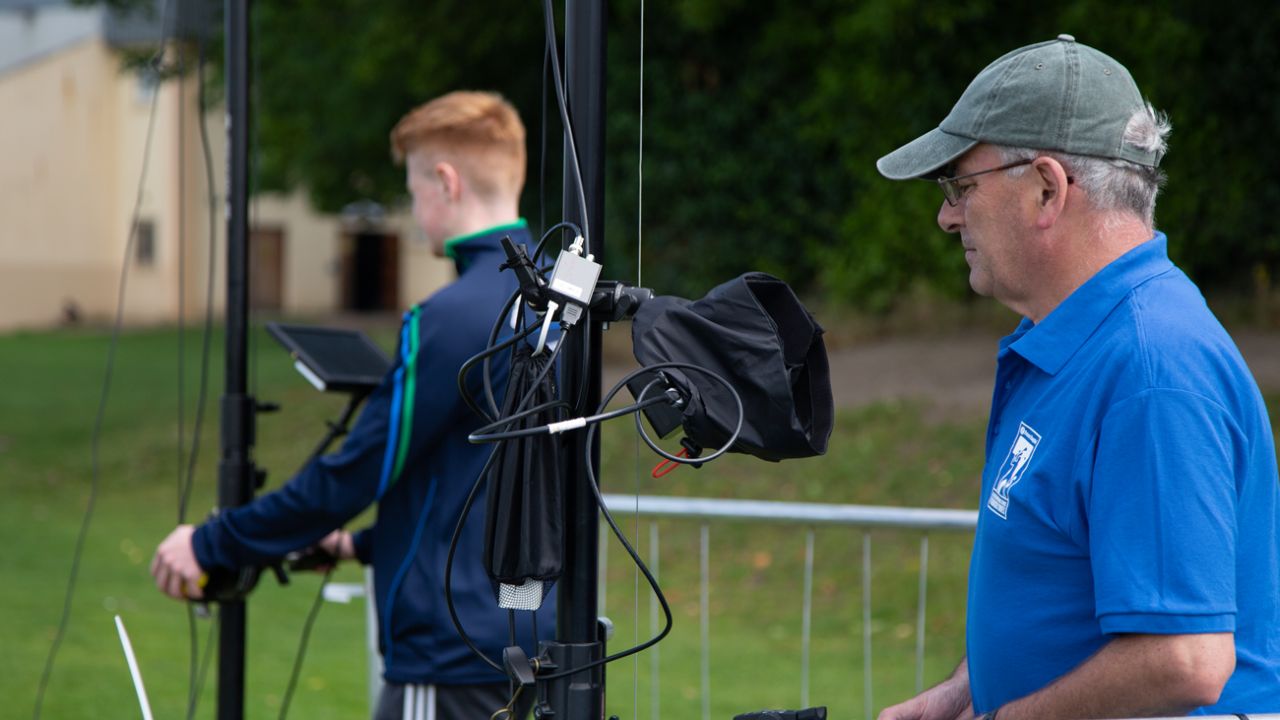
x,y
409,453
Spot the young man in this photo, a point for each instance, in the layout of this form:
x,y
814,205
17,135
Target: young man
x,y
1126,552
465,164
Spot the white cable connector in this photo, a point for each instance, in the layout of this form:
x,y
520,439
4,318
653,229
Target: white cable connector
x,y
552,306
566,425
577,246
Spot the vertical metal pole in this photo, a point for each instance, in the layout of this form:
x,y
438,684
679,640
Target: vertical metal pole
x,y
374,658
655,663
806,619
921,609
235,469
704,608
866,624
581,696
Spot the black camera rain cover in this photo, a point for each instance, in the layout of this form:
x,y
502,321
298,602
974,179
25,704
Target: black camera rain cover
x,y
524,538
755,333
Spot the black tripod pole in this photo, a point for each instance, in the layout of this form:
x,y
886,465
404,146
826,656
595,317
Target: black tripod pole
x,y
237,475
578,634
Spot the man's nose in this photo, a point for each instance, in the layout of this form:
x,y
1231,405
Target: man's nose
x,y
950,217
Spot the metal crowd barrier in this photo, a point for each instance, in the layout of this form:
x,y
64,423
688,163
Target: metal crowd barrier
x,y
868,517
706,510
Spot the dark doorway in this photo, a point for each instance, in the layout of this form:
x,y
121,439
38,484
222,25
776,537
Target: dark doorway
x,y
371,272
266,269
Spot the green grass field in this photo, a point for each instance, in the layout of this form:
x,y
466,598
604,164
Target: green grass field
x,y
893,454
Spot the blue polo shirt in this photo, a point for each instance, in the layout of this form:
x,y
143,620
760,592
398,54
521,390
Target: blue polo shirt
x,y
1130,487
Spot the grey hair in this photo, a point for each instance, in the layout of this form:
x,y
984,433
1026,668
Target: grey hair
x,y
1113,184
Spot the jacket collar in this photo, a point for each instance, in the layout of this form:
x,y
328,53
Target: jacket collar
x,y
465,249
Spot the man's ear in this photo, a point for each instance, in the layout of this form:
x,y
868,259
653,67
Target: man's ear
x,y
1052,184
450,181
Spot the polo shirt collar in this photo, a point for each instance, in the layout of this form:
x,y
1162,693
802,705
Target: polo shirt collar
x,y
1056,339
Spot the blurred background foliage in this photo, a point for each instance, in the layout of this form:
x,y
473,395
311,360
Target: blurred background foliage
x,y
763,120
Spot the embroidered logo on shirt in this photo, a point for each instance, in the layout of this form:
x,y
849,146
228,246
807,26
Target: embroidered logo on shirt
x,y
1024,446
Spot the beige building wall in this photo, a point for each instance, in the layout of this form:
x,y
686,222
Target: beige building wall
x,y
57,185
72,139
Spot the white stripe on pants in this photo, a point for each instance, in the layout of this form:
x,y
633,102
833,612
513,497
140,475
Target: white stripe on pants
x,y
419,702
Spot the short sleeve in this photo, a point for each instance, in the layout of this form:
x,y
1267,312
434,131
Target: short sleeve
x,y
1162,515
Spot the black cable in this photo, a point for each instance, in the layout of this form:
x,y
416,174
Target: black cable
x,y
96,436
206,349
533,621
209,644
594,486
182,280
542,375
554,47
302,644
193,660
492,349
480,478
206,343
737,399
193,637
337,429
511,642
470,363
448,564
483,357
542,129
565,225
553,52
518,328
486,434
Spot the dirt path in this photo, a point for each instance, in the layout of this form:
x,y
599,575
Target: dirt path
x,y
954,373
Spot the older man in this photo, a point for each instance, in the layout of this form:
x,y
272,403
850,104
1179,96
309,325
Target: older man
x,y
1126,559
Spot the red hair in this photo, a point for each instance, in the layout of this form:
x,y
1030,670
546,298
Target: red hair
x,y
480,133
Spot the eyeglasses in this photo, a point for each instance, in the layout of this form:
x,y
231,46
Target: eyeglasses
x,y
954,192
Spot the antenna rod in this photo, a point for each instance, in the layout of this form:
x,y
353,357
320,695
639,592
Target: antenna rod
x,y
236,472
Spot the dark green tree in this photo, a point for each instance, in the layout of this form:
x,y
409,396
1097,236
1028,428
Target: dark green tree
x,y
763,120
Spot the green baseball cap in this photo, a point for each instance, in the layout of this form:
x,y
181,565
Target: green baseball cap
x,y
1056,95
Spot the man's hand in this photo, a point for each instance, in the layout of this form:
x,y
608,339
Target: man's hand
x,y
948,700
175,569
325,555
338,544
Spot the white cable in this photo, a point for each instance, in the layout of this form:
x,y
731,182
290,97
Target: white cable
x,y
133,669
515,311
552,306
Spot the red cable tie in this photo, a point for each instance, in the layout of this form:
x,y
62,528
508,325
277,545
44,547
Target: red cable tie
x,y
667,465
